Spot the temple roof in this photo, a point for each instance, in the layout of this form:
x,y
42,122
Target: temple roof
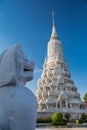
x,y
75,101
63,95
51,100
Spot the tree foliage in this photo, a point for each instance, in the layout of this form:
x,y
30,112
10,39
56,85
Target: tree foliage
x,y
57,117
67,116
83,117
44,120
85,96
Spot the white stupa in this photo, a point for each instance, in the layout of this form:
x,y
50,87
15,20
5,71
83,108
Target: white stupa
x,y
56,90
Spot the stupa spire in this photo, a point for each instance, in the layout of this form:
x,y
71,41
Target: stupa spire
x,y
53,17
54,34
56,90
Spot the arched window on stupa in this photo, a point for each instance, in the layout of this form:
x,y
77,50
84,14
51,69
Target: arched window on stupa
x,y
63,103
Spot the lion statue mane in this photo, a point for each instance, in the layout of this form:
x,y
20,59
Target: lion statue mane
x,y
18,104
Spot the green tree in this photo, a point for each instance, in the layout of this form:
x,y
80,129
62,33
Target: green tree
x,y
85,97
83,117
57,117
77,121
67,116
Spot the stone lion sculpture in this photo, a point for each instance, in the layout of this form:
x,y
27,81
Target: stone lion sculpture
x,y
18,104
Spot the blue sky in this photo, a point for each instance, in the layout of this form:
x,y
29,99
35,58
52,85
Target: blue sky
x,y
29,23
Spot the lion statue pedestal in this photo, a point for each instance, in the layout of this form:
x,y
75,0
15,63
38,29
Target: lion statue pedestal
x,y
18,104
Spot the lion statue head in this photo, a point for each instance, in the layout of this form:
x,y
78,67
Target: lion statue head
x,y
15,67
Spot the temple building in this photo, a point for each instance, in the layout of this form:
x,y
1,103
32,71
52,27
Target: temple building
x,y
56,91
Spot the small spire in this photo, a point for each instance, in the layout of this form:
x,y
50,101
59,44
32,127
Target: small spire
x,y
54,34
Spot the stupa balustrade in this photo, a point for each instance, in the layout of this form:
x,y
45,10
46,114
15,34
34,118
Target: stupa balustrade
x,y
50,103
